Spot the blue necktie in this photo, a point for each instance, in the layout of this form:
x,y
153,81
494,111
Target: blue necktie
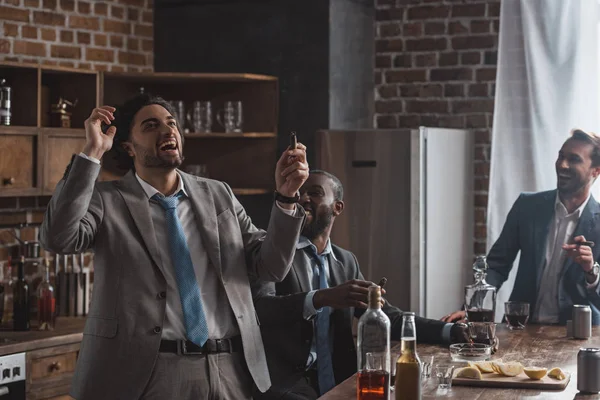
x,y
324,363
189,292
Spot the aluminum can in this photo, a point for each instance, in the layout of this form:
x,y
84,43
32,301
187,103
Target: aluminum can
x,y
582,322
588,370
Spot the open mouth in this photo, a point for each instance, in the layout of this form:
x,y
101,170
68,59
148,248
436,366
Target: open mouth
x,y
168,146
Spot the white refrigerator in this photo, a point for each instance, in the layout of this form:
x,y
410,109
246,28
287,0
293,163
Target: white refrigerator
x,y
408,213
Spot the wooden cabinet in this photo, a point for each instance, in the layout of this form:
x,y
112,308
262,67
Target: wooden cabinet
x,y
59,146
18,161
50,370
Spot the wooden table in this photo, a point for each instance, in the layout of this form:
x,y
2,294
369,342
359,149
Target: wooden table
x,y
539,345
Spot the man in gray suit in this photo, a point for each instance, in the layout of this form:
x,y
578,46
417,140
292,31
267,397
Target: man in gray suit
x,y
552,230
171,315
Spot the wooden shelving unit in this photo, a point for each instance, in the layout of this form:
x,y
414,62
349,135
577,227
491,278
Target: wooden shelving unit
x,y
34,154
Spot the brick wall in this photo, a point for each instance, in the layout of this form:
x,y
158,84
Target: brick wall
x,y
112,35
436,66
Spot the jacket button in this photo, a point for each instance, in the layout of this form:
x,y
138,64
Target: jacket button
x,y
157,329
162,295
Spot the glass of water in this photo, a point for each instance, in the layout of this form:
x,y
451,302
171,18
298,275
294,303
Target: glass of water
x,y
443,373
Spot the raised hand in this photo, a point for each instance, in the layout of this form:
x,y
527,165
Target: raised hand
x,y
98,142
354,293
291,171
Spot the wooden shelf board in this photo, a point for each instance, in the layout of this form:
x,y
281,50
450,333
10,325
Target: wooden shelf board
x,y
64,131
250,191
222,135
176,76
18,130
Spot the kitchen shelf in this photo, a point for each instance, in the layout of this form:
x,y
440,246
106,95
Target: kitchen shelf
x,y
222,135
250,191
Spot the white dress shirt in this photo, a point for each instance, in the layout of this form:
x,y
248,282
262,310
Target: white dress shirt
x,y
561,229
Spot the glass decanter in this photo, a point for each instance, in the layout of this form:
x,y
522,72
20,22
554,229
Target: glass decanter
x,y
480,297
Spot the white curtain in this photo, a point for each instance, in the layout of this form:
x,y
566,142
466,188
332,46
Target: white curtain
x,y
547,84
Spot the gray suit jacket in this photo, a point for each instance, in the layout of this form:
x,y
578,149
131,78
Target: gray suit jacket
x,y
122,331
526,230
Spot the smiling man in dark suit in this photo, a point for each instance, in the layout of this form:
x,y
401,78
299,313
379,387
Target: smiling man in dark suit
x,y
556,268
297,312
171,315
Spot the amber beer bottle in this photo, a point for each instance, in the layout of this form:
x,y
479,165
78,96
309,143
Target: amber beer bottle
x,y
408,367
373,351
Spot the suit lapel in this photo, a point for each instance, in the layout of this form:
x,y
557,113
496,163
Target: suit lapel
x,y
301,265
203,205
139,207
336,271
586,227
541,228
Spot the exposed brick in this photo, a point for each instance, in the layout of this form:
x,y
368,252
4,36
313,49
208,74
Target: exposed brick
x,y
48,18
448,59
493,9
117,27
13,2
117,68
29,32
117,41
482,136
84,7
144,30
99,55
409,121
468,10
470,58
426,60
412,75
148,17
133,14
147,44
387,91
58,51
5,47
480,213
49,4
486,74
133,44
473,106
67,5
37,217
381,61
430,120
14,14
426,44
429,12
150,4
481,232
480,26
32,3
481,152
8,203
66,36
84,38
428,90
403,61
477,121
478,90
388,45
481,200
388,107
88,23
479,247
11,30
435,28
452,121
29,48
100,39
412,29
85,65
135,3
490,58
131,58
496,26
392,14
389,29
117,12
13,218
473,42
69,64
457,27
384,122
426,106
454,90
381,3
451,74
48,34
101,9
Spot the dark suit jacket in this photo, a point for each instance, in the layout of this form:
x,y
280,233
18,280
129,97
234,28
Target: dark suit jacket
x,y
526,230
288,336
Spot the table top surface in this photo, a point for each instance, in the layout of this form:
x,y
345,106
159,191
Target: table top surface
x,y
536,345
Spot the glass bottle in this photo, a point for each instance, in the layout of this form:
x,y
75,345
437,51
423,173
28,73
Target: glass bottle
x,y
21,299
480,297
408,366
5,106
7,316
46,300
373,351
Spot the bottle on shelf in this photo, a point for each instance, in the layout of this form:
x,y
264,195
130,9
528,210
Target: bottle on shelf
x,y
8,283
373,351
46,300
5,106
21,299
408,366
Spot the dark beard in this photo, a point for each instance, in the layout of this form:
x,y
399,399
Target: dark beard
x,y
152,161
318,225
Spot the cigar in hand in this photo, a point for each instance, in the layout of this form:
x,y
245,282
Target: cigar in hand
x,y
586,243
382,282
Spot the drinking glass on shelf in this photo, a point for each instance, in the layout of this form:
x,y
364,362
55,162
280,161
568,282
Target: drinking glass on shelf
x,y
180,117
444,373
232,117
516,314
202,116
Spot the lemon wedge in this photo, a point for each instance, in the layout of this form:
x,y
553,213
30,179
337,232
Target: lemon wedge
x,y
495,365
510,369
557,373
535,373
469,373
484,366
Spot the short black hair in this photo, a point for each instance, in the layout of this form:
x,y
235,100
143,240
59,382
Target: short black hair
x,y
336,184
124,116
589,138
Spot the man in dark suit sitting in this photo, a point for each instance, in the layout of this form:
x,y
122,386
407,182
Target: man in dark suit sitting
x,y
291,313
